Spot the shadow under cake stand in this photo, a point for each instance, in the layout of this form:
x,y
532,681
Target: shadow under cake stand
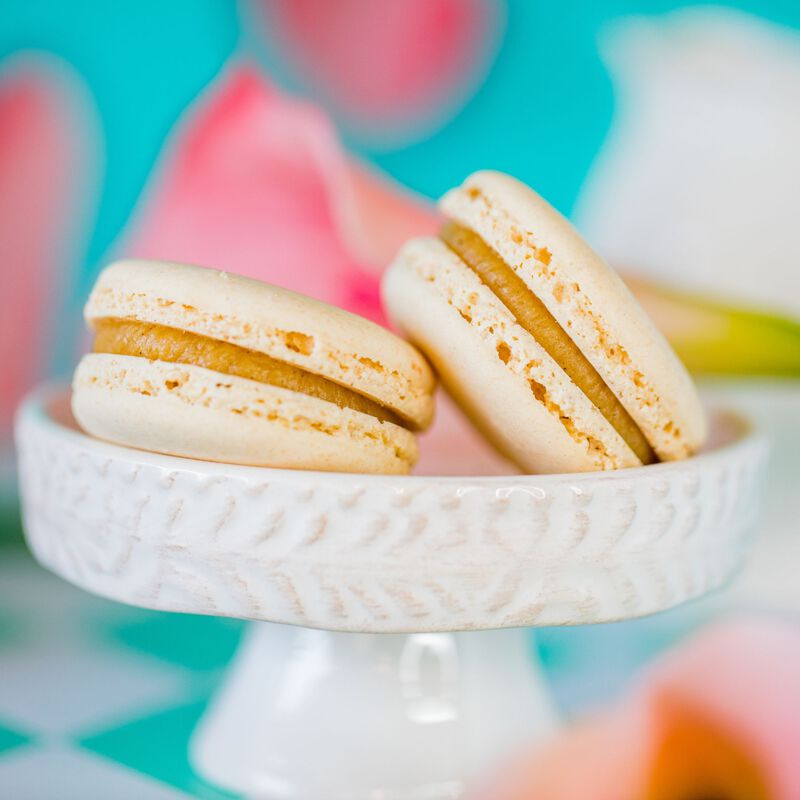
x,y
401,667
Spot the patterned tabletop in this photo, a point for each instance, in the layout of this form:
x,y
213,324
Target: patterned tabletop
x,y
97,700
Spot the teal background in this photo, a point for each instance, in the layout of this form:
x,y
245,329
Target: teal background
x,y
542,112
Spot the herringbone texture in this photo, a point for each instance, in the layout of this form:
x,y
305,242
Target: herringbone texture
x,y
372,553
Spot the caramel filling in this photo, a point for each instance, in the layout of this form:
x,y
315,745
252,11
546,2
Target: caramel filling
x,y
161,343
532,315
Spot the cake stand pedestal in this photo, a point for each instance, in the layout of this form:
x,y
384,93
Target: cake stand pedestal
x,y
310,713
389,660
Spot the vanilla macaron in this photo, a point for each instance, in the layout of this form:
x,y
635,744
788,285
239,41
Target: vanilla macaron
x,y
538,339
194,362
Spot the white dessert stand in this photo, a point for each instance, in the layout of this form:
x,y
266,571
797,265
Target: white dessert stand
x,y
365,691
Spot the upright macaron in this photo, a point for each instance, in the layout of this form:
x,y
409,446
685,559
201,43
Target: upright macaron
x,y
195,362
537,337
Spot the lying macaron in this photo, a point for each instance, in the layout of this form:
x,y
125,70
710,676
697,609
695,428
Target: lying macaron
x,y
538,339
194,362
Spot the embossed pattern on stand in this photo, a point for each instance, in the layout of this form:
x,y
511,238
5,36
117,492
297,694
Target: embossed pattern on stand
x,y
375,553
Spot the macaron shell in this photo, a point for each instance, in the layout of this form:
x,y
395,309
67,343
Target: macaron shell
x,y
491,366
293,328
189,411
590,302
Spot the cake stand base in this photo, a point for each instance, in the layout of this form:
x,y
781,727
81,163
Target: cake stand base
x,y
307,714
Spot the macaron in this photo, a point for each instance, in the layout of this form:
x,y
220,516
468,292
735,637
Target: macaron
x,y
195,362
538,339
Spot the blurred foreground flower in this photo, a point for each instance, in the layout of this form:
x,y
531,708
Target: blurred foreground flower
x,y
47,150
257,183
717,718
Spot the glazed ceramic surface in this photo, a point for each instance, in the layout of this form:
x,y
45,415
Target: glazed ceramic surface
x,y
377,553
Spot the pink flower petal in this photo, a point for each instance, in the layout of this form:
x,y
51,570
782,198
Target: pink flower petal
x,y
743,678
257,183
44,161
602,759
383,63
724,706
454,447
